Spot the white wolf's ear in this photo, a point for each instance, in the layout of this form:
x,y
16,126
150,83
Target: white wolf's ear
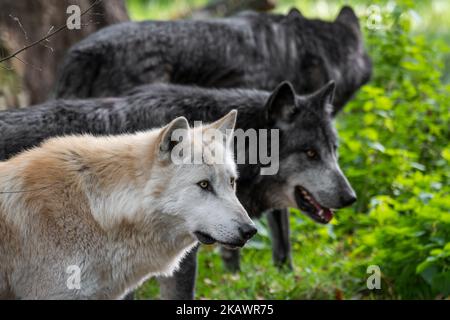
x,y
323,97
347,16
226,124
171,135
281,103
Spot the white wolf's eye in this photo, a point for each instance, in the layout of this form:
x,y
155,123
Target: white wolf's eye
x,y
204,184
232,181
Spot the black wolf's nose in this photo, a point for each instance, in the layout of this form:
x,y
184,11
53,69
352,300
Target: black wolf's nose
x,y
348,200
247,231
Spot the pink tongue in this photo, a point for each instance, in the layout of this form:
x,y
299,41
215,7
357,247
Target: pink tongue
x,y
318,207
327,214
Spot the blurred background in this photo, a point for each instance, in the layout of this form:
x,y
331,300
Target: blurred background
x,y
394,149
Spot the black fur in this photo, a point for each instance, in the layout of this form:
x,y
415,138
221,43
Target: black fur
x,y
249,50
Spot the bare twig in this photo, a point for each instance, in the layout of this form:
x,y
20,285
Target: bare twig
x,y
47,40
20,25
14,54
6,68
28,64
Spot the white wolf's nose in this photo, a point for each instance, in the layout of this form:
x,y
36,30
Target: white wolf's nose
x,y
247,231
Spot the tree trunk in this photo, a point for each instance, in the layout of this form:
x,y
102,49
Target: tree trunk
x,y
25,21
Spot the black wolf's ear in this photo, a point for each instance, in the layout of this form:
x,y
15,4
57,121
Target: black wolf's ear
x,y
281,103
294,12
226,124
323,97
348,16
172,134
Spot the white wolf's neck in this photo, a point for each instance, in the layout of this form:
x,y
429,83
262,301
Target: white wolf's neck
x,y
139,252
136,250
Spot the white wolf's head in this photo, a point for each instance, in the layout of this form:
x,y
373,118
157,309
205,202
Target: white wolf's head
x,y
199,173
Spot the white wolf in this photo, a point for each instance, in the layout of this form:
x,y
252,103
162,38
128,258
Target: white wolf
x,y
84,217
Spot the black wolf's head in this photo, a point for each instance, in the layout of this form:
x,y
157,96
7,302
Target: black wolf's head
x,y
309,175
330,51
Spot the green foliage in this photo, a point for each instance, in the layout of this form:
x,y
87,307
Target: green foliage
x,y
396,153
161,9
395,150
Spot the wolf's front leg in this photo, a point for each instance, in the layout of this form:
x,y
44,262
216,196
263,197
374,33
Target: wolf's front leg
x,y
279,230
181,285
231,259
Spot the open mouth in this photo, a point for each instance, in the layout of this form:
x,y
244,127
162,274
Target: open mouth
x,y
207,239
309,205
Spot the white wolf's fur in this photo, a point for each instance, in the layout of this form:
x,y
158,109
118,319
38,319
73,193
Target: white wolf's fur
x,y
116,207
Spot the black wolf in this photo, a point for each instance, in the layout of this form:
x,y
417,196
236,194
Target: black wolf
x,y
249,50
308,178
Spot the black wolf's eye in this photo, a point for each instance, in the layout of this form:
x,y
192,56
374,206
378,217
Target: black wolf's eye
x,y
204,184
312,154
232,181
